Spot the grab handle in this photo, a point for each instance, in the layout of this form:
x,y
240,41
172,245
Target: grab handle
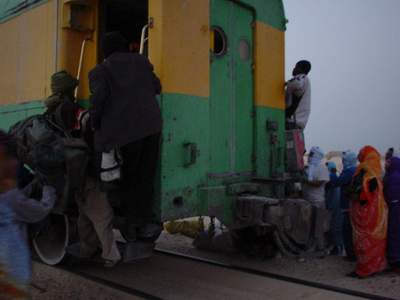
x,y
143,38
78,75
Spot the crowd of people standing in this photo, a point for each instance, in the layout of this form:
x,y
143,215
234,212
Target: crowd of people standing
x,y
364,201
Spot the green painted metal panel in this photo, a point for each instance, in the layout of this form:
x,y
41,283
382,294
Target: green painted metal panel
x,y
186,122
242,61
220,94
269,157
231,99
12,8
271,12
189,191
10,114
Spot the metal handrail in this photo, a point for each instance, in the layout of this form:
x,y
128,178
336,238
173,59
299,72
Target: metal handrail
x,y
143,38
78,75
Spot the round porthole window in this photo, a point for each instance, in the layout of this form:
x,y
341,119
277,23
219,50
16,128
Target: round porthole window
x,y
219,43
244,49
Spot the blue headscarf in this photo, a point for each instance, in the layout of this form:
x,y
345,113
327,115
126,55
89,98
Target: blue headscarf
x,y
349,159
331,166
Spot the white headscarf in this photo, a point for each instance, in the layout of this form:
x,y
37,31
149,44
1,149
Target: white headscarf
x,y
314,159
316,156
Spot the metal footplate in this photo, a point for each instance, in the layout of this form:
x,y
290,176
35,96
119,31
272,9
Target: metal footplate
x,y
250,210
296,226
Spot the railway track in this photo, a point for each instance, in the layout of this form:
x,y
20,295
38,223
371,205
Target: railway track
x,y
101,276
303,282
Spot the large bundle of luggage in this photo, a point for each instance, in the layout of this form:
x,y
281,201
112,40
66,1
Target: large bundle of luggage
x,y
53,155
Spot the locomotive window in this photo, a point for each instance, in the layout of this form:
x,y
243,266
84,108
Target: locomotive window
x,y
244,49
219,42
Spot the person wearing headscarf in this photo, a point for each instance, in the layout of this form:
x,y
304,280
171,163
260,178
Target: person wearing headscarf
x,y
333,205
63,86
392,196
317,176
61,106
343,181
369,215
388,156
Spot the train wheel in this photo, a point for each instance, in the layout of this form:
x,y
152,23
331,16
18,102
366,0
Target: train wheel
x,y
51,241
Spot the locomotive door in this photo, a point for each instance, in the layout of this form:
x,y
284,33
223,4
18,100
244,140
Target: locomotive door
x,y
231,98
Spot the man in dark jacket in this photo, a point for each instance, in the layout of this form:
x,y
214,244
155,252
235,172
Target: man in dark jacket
x,y
125,115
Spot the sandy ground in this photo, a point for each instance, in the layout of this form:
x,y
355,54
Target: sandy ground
x,y
330,270
169,278
173,278
51,283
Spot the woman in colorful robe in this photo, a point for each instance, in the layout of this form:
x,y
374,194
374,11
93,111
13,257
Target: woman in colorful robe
x,y
392,196
369,215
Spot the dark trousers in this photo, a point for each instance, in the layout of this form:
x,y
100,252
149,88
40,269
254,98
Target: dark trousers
x,y
140,160
348,235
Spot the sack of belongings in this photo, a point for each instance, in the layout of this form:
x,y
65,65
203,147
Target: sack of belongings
x,y
54,155
189,228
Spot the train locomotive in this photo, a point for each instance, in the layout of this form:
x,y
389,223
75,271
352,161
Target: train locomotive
x,y
225,151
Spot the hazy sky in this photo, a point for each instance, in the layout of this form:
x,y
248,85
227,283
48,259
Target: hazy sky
x,y
354,46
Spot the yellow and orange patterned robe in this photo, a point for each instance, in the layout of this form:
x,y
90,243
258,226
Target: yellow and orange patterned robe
x,y
369,216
